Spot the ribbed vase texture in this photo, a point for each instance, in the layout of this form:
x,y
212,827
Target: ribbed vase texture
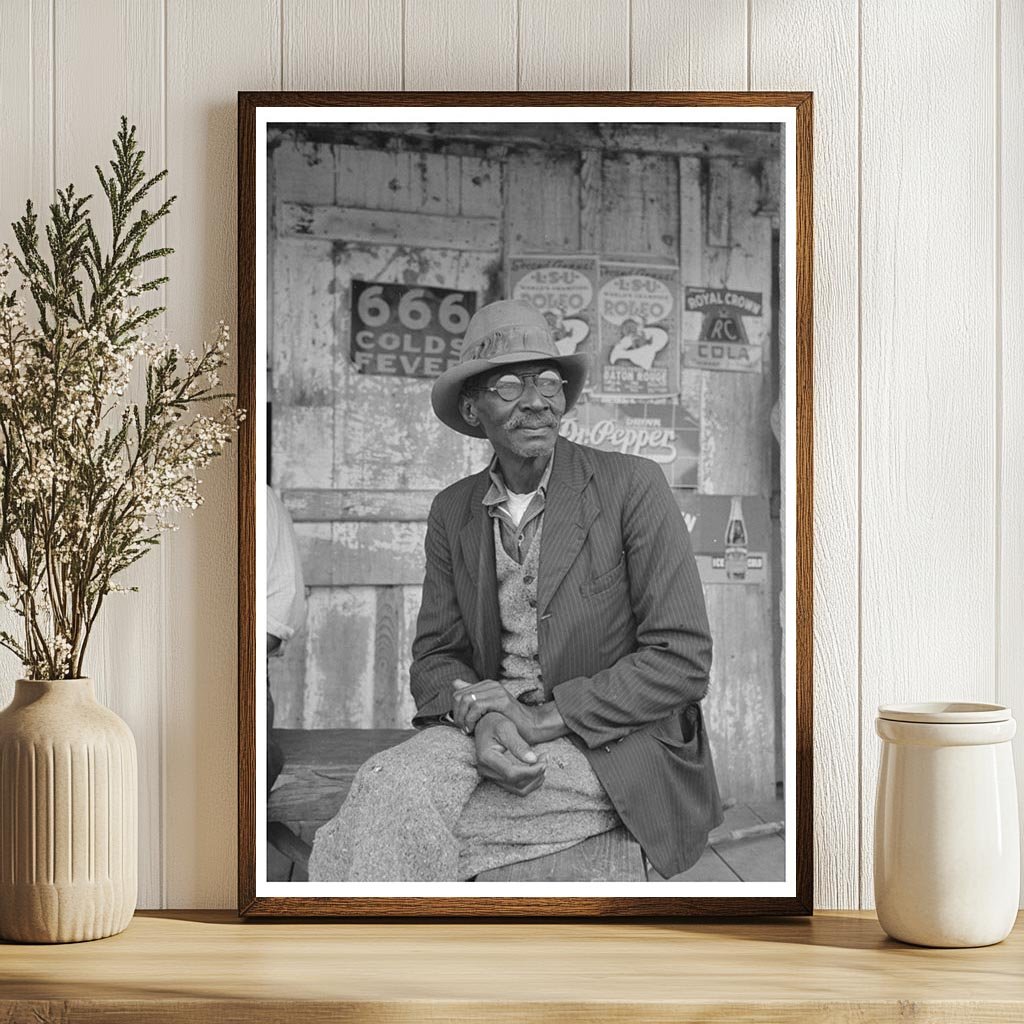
x,y
68,815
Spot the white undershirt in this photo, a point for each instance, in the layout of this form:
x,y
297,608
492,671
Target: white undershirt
x,y
517,504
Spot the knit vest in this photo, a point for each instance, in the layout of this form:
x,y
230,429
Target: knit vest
x,y
517,605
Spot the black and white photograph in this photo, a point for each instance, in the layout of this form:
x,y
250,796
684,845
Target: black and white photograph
x,y
524,470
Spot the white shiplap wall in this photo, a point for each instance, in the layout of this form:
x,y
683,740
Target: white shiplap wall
x,y
919,294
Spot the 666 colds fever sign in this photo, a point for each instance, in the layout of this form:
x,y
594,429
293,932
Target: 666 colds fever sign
x,y
407,330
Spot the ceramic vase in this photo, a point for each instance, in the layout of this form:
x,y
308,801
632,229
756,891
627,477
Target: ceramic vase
x,y
947,846
68,815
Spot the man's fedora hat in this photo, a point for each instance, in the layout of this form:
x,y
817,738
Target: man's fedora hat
x,y
502,334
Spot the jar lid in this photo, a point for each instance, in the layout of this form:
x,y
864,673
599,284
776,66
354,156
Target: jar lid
x,y
945,712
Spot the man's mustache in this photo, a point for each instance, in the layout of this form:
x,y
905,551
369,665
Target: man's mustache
x,y
530,422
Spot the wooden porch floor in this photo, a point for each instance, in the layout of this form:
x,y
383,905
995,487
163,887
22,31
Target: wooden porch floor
x,y
753,859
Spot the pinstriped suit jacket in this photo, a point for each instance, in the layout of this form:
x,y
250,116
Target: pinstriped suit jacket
x,y
624,644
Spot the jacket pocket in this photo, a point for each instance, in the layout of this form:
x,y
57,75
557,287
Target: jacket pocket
x,y
683,732
607,580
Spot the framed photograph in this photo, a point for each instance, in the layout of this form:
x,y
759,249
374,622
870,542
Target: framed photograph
x,y
525,494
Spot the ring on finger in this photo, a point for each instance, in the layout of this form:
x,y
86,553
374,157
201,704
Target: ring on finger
x,y
472,696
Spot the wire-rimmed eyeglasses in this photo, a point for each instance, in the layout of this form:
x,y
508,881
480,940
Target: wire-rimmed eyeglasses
x,y
510,386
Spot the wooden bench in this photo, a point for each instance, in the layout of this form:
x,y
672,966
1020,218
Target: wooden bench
x,y
319,765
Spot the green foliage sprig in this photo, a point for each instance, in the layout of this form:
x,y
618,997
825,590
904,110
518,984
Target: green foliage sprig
x,y
89,478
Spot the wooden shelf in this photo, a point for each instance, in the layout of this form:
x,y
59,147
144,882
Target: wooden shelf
x,y
208,966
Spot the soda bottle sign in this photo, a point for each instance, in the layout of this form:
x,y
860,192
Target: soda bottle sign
x,y
736,542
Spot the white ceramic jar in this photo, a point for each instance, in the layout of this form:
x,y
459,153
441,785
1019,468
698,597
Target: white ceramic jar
x,y
947,846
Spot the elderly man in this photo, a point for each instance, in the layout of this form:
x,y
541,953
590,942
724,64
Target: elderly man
x,y
562,647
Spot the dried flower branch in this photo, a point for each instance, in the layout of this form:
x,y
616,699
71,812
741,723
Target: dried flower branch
x,y
89,479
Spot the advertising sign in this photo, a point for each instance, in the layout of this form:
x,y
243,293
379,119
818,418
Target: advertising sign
x,y
564,289
730,535
661,431
638,315
407,331
723,342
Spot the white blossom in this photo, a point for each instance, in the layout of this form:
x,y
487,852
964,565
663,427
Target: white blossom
x,y
87,482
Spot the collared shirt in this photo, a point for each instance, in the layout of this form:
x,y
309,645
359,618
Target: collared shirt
x,y
516,538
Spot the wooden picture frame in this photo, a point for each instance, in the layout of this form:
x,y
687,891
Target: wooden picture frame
x,y
483,127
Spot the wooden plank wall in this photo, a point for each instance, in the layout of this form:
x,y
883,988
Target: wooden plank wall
x,y
450,219
1008,312
919,404
837,740
336,429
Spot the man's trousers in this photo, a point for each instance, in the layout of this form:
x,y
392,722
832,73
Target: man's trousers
x,y
420,812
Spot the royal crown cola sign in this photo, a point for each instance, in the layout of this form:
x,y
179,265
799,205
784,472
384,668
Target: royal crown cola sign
x,y
723,341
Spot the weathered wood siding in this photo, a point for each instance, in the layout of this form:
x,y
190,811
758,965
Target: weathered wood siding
x,y
358,457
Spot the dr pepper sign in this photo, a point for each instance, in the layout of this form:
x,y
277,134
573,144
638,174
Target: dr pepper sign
x,y
403,330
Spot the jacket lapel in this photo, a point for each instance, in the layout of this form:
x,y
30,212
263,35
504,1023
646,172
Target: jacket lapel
x,y
477,543
569,512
